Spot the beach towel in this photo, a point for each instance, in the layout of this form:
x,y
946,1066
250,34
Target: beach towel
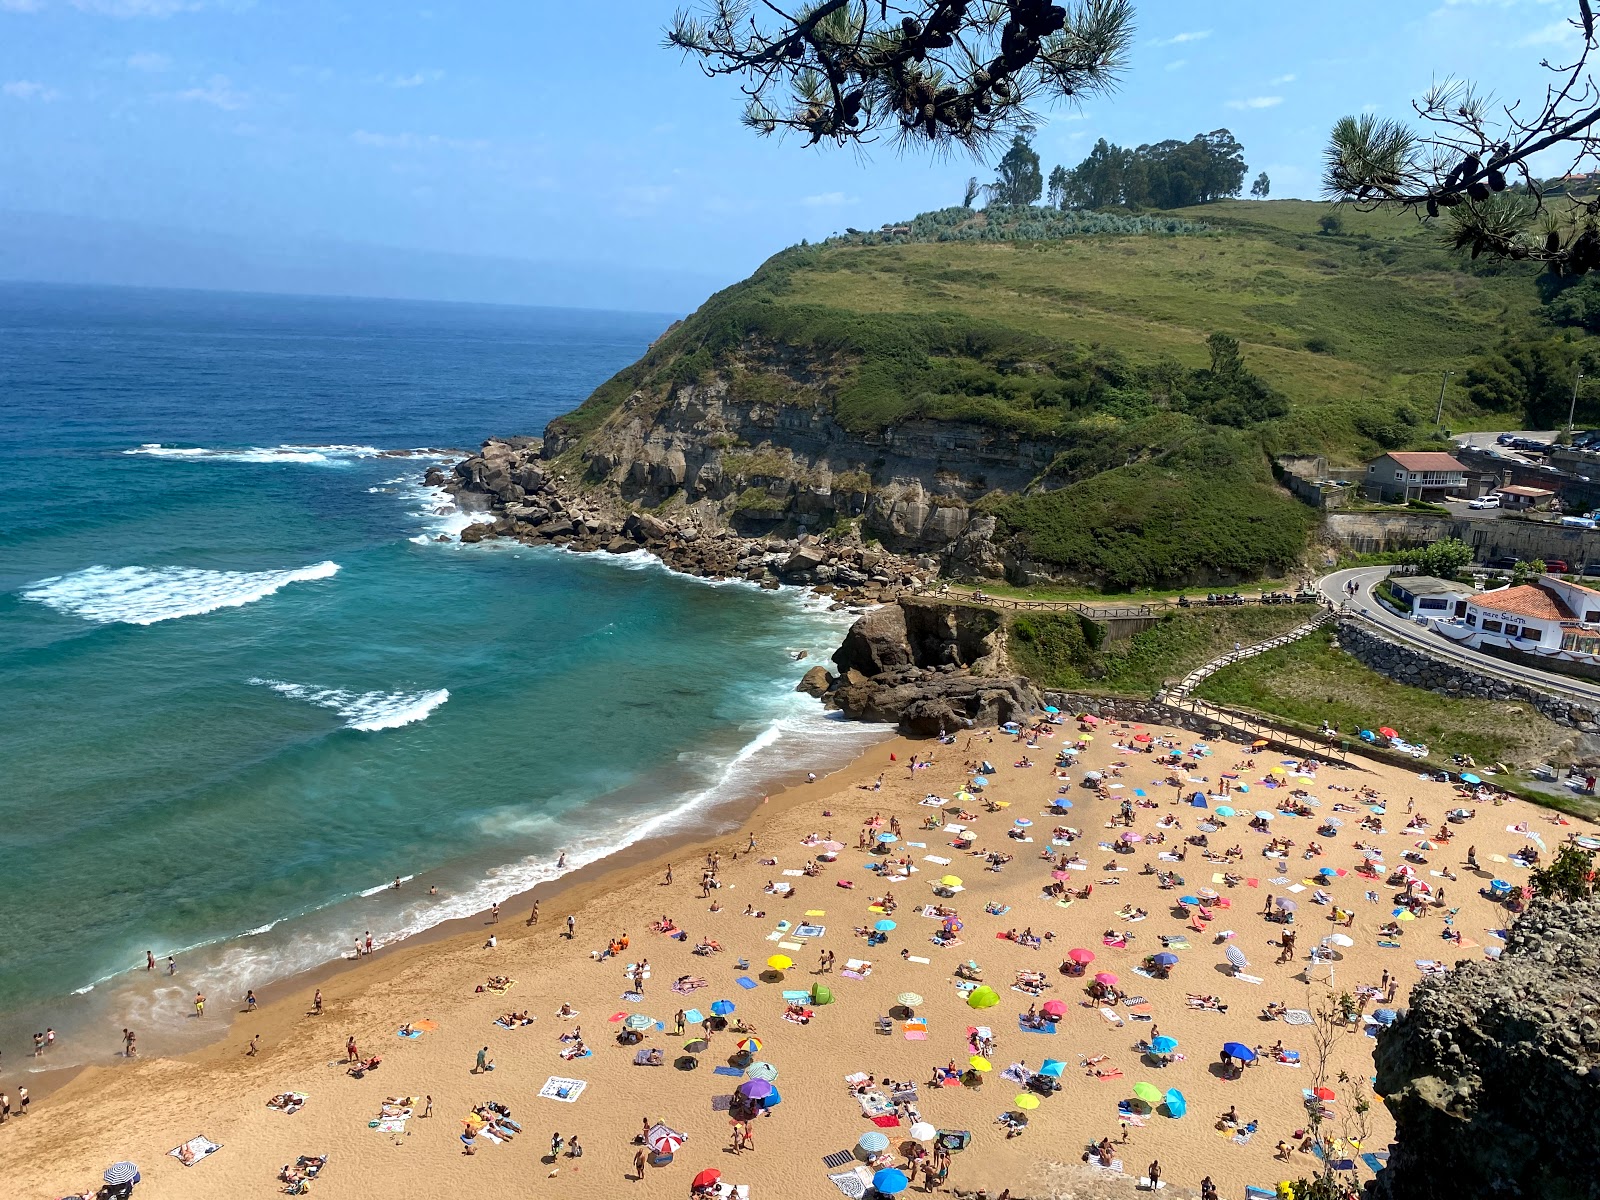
x,y
915,959
1146,1186
1112,1017
934,858
816,912
1109,1073
614,1017
416,1033
874,1104
745,982
485,1133
299,1102
566,1090
796,997
1042,1027
811,931
736,1072
886,1121
791,945
1247,978
1259,1193
641,1058
721,1103
633,997
388,1124
693,1016
194,1150
1374,1162
848,1182
500,989
838,1158
1297,1016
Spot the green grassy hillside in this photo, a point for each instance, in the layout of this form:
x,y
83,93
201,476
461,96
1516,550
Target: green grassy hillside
x,y
1091,332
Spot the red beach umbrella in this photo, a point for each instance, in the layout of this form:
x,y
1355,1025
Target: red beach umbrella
x,y
1081,956
1054,1008
1107,978
706,1178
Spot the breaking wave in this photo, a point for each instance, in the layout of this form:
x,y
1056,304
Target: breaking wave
x,y
145,595
367,711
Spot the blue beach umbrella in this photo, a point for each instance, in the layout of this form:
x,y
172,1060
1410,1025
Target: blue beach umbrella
x,y
884,925
1385,1016
1176,1104
1164,959
1469,777
771,1100
1164,1044
890,1182
1239,1050
1051,709
1189,900
1053,1068
887,837
121,1172
1225,810
722,1008
977,783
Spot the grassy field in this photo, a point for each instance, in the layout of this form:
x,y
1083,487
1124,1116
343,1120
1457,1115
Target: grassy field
x,y
1311,681
1058,650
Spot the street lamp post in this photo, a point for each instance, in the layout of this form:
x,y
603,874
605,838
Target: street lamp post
x,y
1572,408
1438,413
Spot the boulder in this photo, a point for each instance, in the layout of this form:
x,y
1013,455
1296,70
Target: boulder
x,y
876,643
477,532
803,560
815,682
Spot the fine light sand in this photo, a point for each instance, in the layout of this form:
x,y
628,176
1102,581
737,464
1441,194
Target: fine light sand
x,y
143,1109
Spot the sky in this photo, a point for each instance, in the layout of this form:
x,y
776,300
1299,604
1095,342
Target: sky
x,y
551,151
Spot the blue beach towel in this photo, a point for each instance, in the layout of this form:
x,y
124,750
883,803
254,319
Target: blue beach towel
x,y
1373,1162
1047,1027
416,1033
693,1016
736,1072
745,982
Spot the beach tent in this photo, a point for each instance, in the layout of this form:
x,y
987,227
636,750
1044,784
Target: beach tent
x,y
983,996
821,993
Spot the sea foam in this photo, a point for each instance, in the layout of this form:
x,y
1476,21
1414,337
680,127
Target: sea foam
x,y
145,595
366,711
314,455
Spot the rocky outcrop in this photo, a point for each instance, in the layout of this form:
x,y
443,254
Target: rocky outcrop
x,y
511,480
1493,1075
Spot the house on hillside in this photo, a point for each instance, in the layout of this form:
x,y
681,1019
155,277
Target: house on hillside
x,y
1426,475
1522,498
1553,619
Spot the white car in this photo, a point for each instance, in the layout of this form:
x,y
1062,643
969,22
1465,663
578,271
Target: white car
x,y
1484,502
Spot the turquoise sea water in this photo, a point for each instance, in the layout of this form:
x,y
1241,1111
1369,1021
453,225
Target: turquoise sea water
x,y
241,684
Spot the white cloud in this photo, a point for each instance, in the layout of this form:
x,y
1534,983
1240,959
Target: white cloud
x,y
1179,39
828,200
1553,34
148,61
1256,102
218,92
27,89
415,141
1284,79
1177,64
415,79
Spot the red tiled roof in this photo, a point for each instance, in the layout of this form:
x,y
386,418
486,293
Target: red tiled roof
x,y
1525,600
1428,461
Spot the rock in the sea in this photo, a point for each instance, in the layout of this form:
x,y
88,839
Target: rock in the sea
x,y
477,532
815,682
876,643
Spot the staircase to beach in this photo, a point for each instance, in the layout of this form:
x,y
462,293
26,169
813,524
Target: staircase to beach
x,y
1192,680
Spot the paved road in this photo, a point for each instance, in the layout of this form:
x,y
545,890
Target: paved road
x,y
1332,587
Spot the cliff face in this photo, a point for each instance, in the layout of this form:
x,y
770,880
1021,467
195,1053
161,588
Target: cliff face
x,y
1493,1075
755,447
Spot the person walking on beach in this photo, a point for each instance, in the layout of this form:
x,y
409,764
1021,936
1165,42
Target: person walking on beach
x,y
485,1063
427,1106
127,1043
494,913
172,965
250,1000
255,1047
1155,1174
199,1005
572,925
573,1149
149,960
351,1054
22,1102
638,1163
316,1004
669,874
533,917
369,941
826,965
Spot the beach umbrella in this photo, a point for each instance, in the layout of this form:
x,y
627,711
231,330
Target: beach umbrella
x,y
1339,939
638,1021
921,1131
883,926
1051,709
1235,956
954,924
749,1045
1387,732
1148,1092
1080,956
780,962
977,783
772,1099
1054,1009
890,1182
762,1070
963,796
706,1178
1239,1050
872,1141
1284,903
1058,876
1060,804
980,1064
1207,893
120,1172
1106,977
886,838
831,847
909,999
1023,822
697,1046
664,1140
1266,814
983,997
1092,775
1226,810
1053,1067
1469,777
1425,844
1026,1101
1322,1093
950,881
1385,1016
1326,872
722,1008
1176,1104
1086,737
1191,900
1164,1044
1132,838
1164,959
755,1089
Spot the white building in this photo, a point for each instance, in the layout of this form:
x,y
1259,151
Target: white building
x,y
1551,618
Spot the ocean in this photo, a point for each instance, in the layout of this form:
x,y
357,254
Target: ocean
x,y
243,685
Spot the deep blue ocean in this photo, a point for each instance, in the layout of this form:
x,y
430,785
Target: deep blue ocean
x,y
242,683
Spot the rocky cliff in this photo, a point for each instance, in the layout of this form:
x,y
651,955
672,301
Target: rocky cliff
x,y
1493,1075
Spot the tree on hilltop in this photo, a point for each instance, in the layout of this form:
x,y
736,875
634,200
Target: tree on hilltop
x,y
1057,185
1260,188
1019,181
933,73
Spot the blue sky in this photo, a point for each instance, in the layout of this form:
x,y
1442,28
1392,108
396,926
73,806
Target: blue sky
x,y
233,132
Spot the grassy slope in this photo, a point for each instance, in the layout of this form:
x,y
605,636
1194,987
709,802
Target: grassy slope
x,y
1311,680
1352,329
1050,647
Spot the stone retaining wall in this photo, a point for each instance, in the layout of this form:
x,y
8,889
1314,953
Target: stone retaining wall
x,y
1404,664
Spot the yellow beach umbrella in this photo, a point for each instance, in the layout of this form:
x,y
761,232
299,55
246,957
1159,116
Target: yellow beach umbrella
x,y
780,962
1002,804
979,1063
1027,1101
951,881
965,797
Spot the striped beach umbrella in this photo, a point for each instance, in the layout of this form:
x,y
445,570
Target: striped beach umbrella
x,y
664,1139
1236,957
873,1141
120,1172
638,1021
749,1045
762,1070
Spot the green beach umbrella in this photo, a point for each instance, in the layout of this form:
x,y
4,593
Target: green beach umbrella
x,y
1148,1092
762,1070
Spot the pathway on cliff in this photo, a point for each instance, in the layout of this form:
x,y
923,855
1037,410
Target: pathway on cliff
x,y
1205,670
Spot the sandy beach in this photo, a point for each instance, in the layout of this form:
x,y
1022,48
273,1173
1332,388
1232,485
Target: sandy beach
x,y
1120,843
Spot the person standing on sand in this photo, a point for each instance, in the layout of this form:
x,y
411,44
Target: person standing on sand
x,y
572,925
369,941
638,1164
678,1022
22,1102
250,1000
199,1005
494,913
172,965
1155,1174
483,1064
255,1046
669,874
316,1004
351,1054
533,917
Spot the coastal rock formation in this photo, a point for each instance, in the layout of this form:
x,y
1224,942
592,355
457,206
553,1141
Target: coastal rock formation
x,y
1493,1075
512,480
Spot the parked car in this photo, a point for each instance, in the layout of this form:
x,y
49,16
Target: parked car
x,y
1503,440
1557,565
1484,502
1504,563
